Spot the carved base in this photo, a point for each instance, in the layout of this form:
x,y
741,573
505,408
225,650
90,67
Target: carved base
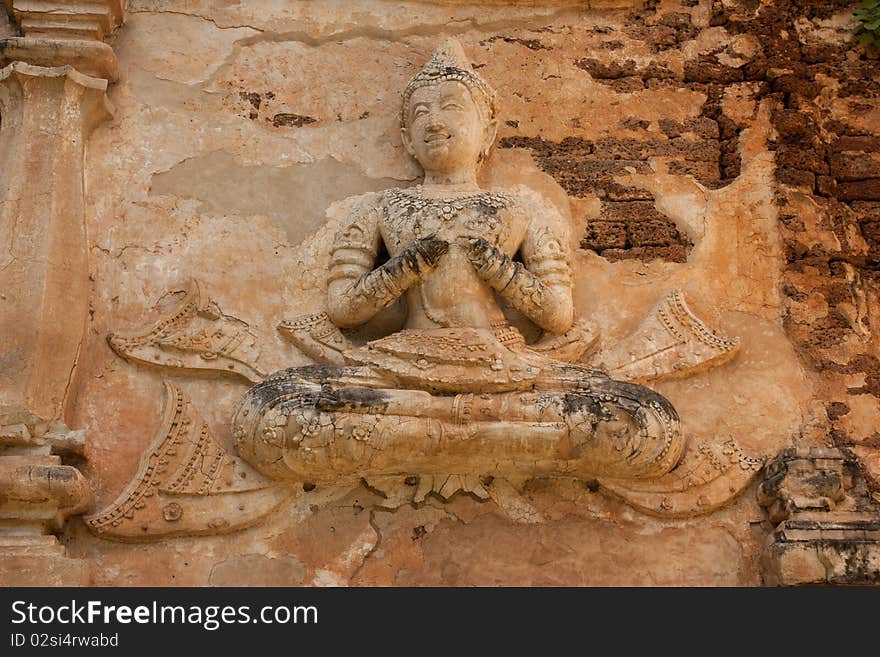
x,y
829,526
824,548
37,494
39,560
41,570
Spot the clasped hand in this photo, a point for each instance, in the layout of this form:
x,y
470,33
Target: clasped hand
x,y
428,251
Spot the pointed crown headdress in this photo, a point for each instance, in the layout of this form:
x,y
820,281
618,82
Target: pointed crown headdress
x,y
449,63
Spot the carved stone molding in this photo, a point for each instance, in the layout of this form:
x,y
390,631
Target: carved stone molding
x,y
53,84
64,19
59,33
37,494
52,94
828,525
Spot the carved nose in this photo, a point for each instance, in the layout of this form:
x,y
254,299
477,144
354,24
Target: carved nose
x,y
435,129
435,124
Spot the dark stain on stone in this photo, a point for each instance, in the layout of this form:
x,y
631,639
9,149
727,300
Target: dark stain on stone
x,y
291,120
334,399
531,44
322,373
580,403
253,98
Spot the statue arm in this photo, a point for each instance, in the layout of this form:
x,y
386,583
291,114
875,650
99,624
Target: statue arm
x,y
356,291
540,287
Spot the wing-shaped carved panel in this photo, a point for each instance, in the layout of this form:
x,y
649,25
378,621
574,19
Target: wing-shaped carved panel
x,y
195,335
187,484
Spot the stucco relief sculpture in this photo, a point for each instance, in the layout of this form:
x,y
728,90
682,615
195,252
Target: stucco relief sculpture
x,y
457,387
195,335
456,399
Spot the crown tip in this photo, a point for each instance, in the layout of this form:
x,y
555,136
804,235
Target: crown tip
x,y
451,53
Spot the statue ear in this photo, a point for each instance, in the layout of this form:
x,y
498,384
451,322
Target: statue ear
x,y
491,133
407,141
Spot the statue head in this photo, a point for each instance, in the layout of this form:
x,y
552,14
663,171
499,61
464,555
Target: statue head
x,y
448,115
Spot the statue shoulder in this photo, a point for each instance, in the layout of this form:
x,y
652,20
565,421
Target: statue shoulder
x,y
528,200
365,203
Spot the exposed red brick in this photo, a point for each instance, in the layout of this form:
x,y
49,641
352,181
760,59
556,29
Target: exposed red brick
x,y
865,143
855,166
860,190
796,157
709,71
795,177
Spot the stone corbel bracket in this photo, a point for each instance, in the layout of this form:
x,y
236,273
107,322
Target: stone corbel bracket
x,y
59,33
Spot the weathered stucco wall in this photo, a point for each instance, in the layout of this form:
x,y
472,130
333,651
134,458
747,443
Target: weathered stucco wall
x,y
690,145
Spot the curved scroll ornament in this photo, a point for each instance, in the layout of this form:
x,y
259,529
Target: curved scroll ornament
x,y
707,478
194,335
672,342
187,484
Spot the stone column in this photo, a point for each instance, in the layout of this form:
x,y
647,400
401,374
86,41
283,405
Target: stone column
x,y
54,74
46,114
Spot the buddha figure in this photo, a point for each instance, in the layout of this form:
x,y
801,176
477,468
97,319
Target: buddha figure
x,y
457,389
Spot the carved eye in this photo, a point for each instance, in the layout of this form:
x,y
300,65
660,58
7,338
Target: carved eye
x,y
453,106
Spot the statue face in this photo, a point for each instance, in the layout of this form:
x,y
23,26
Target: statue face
x,y
446,130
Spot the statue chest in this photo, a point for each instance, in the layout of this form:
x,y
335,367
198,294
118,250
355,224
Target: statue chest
x,y
408,217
